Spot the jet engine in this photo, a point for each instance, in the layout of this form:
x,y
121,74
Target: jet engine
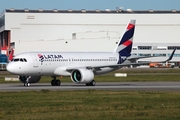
x,y
32,79
82,75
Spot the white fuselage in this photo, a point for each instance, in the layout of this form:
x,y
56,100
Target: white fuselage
x,y
56,64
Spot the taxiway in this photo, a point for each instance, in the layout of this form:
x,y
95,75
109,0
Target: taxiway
x,y
138,86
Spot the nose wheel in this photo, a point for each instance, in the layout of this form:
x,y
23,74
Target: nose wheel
x,y
25,80
27,84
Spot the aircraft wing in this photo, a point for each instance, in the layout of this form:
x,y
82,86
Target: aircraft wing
x,y
135,58
134,63
117,65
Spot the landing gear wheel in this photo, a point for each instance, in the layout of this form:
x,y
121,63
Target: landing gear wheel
x,y
58,82
92,83
27,84
25,80
55,82
87,84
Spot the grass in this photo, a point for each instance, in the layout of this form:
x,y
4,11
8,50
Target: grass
x,y
90,105
96,104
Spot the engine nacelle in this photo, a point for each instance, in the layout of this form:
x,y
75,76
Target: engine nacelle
x,y
82,75
32,79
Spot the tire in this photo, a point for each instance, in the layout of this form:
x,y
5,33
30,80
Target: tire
x,y
87,84
58,82
53,82
26,84
93,83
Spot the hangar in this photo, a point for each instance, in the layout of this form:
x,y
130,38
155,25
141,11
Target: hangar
x,y
156,34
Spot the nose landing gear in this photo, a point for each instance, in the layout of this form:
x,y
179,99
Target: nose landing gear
x,y
25,80
26,84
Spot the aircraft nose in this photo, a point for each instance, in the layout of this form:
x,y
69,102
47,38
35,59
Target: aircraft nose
x,y
10,68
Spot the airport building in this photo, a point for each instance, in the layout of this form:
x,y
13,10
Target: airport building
x,y
157,32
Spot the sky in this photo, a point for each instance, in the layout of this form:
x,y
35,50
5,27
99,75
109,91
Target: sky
x,y
90,4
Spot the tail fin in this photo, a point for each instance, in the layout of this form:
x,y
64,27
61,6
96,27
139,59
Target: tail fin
x,y
124,46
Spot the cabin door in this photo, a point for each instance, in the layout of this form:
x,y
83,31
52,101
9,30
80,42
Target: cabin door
x,y
35,60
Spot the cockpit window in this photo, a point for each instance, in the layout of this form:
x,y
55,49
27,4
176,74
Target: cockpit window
x,y
15,60
19,60
25,60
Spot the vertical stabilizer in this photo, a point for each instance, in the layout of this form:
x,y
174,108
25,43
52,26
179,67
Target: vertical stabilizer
x,y
124,46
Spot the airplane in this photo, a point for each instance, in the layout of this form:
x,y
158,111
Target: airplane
x,y
80,66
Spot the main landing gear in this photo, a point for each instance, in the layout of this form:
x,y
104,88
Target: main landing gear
x,y
55,82
92,83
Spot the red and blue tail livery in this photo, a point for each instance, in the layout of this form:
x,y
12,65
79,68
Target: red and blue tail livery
x,y
125,44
